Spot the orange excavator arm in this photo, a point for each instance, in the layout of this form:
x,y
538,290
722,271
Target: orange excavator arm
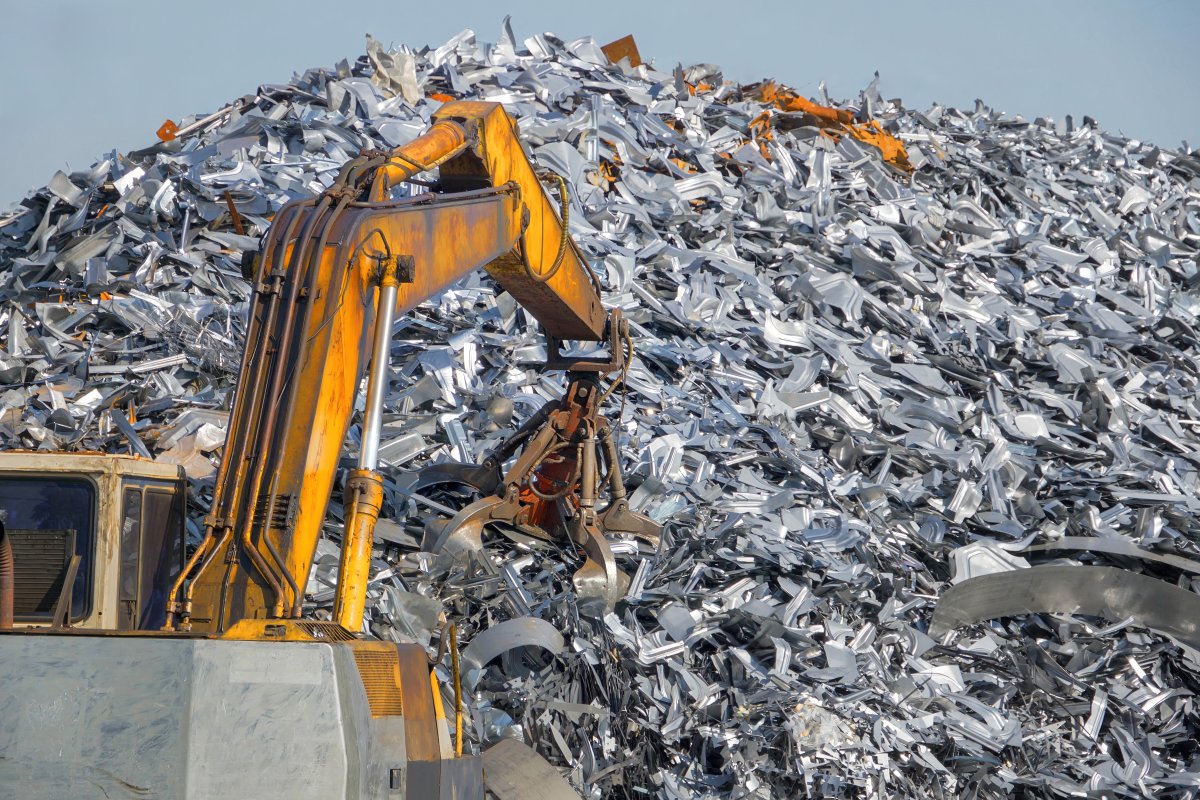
x,y
333,272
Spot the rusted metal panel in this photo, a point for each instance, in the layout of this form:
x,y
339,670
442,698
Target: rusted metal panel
x,y
420,717
625,47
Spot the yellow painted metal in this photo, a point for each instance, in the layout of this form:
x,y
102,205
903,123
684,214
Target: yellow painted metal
x,y
568,304
439,710
458,703
310,337
268,630
379,668
439,144
364,499
297,464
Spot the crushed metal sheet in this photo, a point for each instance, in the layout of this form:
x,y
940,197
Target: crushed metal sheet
x,y
514,771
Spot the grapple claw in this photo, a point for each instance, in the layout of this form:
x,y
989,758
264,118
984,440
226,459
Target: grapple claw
x,y
463,534
598,583
618,518
552,488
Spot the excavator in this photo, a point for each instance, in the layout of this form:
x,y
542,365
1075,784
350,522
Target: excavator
x,y
128,670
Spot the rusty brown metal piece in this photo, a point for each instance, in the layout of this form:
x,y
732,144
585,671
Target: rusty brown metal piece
x,y
420,712
234,215
625,47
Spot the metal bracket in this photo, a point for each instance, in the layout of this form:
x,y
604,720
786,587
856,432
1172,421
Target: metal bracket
x,y
614,332
401,268
406,269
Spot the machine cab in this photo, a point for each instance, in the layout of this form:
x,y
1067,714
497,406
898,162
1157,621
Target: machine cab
x,y
96,538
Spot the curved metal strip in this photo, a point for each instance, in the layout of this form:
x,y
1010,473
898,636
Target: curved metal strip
x,y
484,478
464,531
598,582
509,635
1116,547
1095,591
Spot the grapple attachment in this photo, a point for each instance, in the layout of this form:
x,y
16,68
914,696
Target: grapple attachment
x,y
552,489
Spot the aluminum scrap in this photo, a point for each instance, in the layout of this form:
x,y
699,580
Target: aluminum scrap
x,y
843,374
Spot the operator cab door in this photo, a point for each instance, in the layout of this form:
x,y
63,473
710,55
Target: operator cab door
x,y
152,545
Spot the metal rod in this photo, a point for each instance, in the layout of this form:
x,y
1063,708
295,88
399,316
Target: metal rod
x,y
458,703
587,488
364,489
368,454
237,105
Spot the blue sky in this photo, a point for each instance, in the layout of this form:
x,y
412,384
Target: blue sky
x,y
81,78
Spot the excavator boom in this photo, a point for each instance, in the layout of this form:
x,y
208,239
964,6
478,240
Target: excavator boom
x,y
326,265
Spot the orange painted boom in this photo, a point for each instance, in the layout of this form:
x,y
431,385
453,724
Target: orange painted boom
x,y
316,290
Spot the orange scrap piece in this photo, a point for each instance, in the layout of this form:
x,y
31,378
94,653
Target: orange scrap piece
x,y
760,126
441,98
785,99
166,132
608,172
836,121
760,129
683,165
892,148
625,47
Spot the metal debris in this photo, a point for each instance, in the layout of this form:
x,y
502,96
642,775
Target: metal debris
x,y
843,373
1092,591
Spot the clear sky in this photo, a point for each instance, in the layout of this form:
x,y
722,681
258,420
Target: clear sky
x,y
81,77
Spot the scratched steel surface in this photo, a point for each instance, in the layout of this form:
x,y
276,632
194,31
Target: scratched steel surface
x,y
844,373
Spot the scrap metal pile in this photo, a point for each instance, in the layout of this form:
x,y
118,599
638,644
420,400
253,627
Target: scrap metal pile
x,y
844,372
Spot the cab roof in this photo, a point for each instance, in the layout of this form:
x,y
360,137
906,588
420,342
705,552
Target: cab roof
x,y
87,462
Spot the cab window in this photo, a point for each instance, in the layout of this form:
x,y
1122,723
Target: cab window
x,y
48,518
151,554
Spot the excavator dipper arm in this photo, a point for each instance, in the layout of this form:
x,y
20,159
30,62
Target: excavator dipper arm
x,y
333,272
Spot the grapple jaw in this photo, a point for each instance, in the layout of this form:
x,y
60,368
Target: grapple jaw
x,y
563,459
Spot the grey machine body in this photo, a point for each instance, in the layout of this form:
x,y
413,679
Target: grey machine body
x,y
174,718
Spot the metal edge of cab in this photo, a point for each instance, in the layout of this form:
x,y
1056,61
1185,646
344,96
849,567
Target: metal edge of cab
x,y
88,461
